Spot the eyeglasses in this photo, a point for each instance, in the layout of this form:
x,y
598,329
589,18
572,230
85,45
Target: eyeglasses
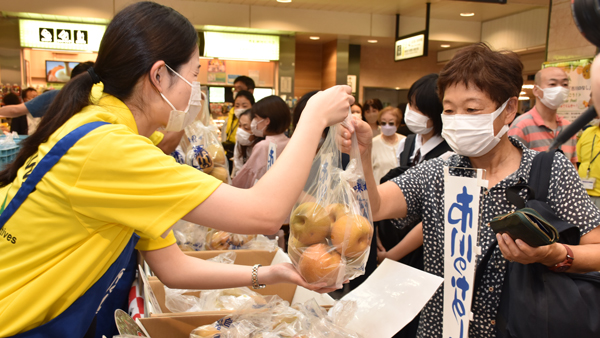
x,y
387,124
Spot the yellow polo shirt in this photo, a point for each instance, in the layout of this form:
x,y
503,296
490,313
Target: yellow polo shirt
x,y
588,150
232,126
111,183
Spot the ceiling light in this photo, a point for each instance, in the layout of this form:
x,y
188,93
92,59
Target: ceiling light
x,y
445,46
461,14
522,93
284,1
372,41
528,86
314,38
523,98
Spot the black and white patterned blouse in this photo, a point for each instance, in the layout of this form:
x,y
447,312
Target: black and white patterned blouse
x,y
423,188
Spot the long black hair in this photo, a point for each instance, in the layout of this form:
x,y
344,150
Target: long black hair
x,y
137,37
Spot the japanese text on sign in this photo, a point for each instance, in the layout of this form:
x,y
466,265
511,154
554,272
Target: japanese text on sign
x,y
461,199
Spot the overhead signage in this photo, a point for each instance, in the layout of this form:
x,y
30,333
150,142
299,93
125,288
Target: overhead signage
x,y
410,47
60,35
241,46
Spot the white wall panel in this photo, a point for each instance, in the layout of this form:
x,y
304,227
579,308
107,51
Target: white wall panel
x,y
518,31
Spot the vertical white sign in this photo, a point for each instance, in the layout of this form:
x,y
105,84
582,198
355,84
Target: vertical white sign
x,y
461,211
271,155
351,80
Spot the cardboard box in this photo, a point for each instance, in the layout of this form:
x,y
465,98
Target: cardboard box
x,y
178,326
285,291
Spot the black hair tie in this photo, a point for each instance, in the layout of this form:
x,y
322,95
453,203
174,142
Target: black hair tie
x,y
93,75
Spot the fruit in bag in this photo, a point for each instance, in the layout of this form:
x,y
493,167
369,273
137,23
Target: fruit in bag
x,y
358,236
310,223
320,263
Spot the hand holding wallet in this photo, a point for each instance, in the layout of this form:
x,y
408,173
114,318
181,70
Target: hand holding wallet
x,y
527,225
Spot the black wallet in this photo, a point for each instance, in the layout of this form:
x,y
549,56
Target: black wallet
x,y
527,225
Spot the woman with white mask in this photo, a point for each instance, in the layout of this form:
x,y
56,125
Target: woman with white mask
x,y
244,143
270,118
385,145
479,89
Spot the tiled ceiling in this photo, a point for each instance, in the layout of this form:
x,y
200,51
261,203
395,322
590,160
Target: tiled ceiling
x,y
440,9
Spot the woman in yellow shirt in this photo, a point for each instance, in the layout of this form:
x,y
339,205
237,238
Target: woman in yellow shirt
x,y
73,212
588,150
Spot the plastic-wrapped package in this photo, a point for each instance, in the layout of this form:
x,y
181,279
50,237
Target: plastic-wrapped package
x,y
205,152
179,155
183,300
222,240
229,299
189,236
331,226
276,319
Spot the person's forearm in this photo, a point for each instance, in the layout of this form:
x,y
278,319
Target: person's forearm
x,y
374,198
179,271
587,257
408,244
13,110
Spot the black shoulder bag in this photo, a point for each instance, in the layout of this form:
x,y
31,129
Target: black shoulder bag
x,y
535,301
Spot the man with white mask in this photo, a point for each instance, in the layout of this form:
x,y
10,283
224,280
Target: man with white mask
x,y
538,127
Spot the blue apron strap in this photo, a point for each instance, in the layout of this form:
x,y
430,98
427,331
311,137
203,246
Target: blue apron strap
x,y
54,155
75,321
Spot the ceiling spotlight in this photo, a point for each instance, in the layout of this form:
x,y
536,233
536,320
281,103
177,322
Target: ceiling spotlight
x,y
523,98
522,93
314,38
528,86
284,1
372,41
461,14
445,46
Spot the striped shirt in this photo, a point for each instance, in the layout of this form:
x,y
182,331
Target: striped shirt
x,y
530,129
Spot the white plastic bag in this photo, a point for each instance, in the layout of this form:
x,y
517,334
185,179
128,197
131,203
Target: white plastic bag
x,y
331,226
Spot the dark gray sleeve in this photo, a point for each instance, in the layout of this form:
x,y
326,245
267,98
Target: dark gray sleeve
x,y
39,105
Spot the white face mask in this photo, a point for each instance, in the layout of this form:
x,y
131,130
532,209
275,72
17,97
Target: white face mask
x,y
238,112
472,135
417,123
178,119
243,137
554,96
388,130
255,130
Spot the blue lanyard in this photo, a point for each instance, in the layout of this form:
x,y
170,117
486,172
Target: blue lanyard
x,y
52,157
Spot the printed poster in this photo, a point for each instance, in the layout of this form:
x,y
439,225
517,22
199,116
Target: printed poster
x,y
580,86
216,71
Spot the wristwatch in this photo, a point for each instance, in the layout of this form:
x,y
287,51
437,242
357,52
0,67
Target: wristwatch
x,y
255,284
566,264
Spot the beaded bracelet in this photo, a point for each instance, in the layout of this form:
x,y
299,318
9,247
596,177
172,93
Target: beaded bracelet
x,y
255,284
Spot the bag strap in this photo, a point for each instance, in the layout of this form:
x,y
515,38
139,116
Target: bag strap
x,y
52,157
539,180
409,147
539,175
438,151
